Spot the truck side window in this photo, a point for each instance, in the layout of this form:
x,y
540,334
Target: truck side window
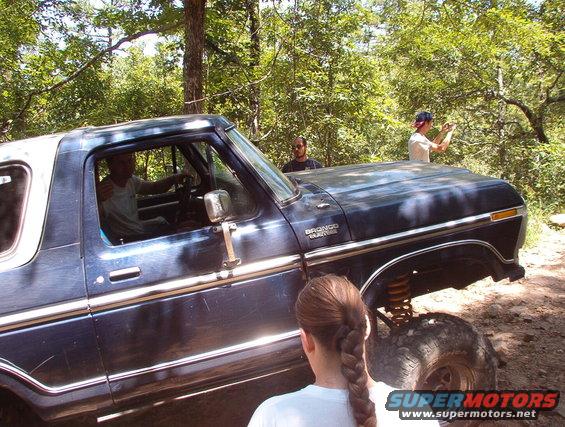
x,y
14,185
134,206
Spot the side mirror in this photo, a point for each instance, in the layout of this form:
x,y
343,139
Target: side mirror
x,y
218,205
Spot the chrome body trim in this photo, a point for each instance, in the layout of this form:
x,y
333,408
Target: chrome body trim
x,y
55,390
147,293
324,255
115,415
270,339
193,284
382,268
51,390
44,314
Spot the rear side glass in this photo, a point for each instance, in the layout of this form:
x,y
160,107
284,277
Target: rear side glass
x,y
14,183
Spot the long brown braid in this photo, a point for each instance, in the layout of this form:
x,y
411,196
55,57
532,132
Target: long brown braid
x,y
331,309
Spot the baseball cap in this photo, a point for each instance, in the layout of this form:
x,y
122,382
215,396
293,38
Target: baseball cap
x,y
421,118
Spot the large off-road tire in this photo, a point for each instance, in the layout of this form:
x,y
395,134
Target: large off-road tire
x,y
436,351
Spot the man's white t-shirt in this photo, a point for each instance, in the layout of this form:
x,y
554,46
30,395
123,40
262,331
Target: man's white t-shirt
x,y
315,406
419,147
120,210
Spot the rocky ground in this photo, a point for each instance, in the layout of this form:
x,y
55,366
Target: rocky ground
x,y
525,320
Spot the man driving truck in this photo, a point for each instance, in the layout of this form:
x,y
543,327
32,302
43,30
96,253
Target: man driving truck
x,y
117,199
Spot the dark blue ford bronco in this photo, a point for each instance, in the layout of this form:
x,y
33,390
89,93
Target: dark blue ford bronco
x,y
93,323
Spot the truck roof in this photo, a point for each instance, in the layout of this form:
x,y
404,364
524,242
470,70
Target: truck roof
x,y
96,136
91,137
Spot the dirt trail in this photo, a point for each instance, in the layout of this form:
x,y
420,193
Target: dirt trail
x,y
525,320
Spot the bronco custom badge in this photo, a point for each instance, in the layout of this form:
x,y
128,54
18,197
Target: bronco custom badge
x,y
324,230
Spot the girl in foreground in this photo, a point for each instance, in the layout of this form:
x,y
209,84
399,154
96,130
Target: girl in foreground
x,y
334,325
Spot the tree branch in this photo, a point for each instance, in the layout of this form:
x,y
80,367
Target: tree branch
x,y
536,121
85,66
553,99
552,85
237,89
213,46
103,52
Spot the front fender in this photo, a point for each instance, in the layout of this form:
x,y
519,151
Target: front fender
x,y
454,264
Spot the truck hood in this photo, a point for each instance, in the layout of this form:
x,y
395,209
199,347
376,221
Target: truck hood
x,y
385,198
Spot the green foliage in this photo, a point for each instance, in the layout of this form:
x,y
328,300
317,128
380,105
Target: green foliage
x,y
348,75
325,85
142,87
461,60
538,217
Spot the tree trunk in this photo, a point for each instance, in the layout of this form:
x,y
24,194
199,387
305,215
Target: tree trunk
x,y
331,131
110,39
294,60
500,123
194,13
252,7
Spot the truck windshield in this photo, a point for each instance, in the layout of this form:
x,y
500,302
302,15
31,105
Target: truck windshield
x,y
275,179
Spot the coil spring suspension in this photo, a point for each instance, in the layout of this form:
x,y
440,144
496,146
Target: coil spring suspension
x,y
399,300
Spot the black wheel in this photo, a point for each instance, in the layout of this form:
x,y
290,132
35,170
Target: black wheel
x,y
436,351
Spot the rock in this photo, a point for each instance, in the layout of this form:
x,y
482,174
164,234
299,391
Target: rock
x,y
522,312
518,310
528,337
494,310
557,219
500,345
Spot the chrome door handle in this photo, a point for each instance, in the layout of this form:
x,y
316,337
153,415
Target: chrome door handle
x,y
124,273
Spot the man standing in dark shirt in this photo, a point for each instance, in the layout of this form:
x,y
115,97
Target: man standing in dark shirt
x,y
301,161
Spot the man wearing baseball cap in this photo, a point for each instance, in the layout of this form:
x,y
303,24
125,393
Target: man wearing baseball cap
x,y
419,146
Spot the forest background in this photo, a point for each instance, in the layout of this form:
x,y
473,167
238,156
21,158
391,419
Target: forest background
x,y
348,75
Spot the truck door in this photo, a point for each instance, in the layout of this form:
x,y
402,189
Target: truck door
x,y
168,313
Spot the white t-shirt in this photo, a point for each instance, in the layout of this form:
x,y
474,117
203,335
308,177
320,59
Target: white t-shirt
x,y
120,210
315,406
419,147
